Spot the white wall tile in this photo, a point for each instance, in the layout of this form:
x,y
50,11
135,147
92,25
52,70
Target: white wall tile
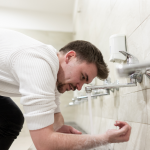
x,y
144,9
96,124
148,104
109,108
147,142
133,107
134,44
137,138
125,16
145,38
112,3
128,90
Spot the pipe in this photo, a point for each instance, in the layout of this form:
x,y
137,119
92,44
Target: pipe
x,y
89,89
92,96
126,70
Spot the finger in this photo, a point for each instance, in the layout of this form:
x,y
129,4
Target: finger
x,y
75,131
126,137
121,124
129,132
123,130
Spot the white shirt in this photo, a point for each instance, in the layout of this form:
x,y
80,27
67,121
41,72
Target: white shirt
x,y
28,68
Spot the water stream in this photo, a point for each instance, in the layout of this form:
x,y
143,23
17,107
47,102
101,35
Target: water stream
x,y
90,112
102,147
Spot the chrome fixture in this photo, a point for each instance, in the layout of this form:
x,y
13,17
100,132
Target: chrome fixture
x,y
107,92
74,103
96,93
140,68
89,89
130,58
134,77
132,68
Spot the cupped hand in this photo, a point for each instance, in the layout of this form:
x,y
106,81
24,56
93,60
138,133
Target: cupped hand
x,y
68,129
120,135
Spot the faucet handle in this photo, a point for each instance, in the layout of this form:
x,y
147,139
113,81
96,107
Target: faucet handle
x,y
130,58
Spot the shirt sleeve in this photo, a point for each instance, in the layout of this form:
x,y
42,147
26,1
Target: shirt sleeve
x,y
57,101
37,86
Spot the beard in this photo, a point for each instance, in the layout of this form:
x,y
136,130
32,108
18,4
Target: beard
x,y
60,88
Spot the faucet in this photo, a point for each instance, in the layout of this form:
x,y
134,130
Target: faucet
x,y
135,76
89,89
134,68
107,92
78,100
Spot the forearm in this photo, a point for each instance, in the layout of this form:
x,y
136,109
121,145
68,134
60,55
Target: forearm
x,y
59,141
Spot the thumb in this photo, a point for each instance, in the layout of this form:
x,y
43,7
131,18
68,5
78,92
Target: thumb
x,y
74,131
123,130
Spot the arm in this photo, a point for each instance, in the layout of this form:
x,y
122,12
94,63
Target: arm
x,y
48,139
58,121
59,126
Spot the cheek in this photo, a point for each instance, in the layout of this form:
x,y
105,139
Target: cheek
x,y
73,74
75,77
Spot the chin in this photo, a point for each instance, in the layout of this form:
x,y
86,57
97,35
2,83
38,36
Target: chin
x,y
61,91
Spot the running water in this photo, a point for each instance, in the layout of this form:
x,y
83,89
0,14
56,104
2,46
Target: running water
x,y
102,147
90,112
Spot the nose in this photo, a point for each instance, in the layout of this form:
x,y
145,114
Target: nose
x,y
79,86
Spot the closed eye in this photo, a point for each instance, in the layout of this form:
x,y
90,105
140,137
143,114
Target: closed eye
x,y
83,78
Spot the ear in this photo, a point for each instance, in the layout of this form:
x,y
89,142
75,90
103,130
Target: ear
x,y
69,56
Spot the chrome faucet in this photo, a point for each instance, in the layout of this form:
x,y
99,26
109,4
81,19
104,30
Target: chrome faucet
x,y
89,89
106,92
135,76
132,68
136,68
78,100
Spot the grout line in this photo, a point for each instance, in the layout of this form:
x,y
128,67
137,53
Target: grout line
x,y
135,91
138,26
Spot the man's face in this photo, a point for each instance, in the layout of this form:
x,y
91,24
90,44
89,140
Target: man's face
x,y
75,74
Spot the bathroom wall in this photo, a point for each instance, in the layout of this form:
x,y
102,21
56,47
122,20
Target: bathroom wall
x,y
58,40
96,21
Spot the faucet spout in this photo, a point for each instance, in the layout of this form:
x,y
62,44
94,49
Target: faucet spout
x,y
107,92
126,70
110,86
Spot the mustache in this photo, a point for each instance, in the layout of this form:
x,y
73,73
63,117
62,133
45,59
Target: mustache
x,y
60,85
73,87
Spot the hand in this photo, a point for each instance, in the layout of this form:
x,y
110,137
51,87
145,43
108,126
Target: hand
x,y
68,129
121,135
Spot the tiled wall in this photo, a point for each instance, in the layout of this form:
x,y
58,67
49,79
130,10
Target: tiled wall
x,y
96,21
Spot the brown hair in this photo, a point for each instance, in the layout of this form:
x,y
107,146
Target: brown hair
x,y
88,52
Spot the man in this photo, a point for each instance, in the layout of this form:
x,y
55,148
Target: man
x,y
36,72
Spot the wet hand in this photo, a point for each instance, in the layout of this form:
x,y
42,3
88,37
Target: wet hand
x,y
68,129
120,135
